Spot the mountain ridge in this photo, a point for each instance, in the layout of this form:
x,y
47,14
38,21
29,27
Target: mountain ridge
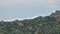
x,y
39,25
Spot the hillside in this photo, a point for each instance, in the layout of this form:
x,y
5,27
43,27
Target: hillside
x,y
39,25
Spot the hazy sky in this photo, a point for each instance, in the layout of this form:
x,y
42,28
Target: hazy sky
x,y
20,9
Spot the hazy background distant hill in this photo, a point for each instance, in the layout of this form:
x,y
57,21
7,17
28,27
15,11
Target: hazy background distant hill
x,y
40,25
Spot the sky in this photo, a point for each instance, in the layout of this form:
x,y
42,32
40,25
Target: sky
x,y
21,9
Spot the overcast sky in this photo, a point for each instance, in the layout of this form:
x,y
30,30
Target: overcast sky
x,y
20,9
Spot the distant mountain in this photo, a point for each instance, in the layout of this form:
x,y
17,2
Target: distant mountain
x,y
39,25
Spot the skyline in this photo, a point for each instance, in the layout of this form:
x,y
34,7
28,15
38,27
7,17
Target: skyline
x,y
21,9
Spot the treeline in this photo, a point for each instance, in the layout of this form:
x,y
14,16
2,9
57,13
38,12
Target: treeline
x,y
40,25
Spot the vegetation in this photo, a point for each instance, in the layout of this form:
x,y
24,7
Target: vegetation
x,y
40,25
